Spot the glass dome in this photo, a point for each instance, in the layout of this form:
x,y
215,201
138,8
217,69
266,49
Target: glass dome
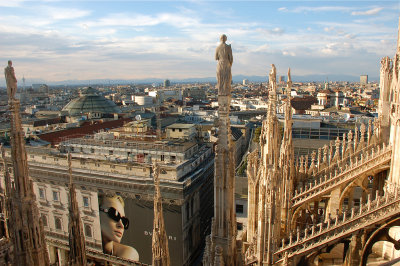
x,y
90,102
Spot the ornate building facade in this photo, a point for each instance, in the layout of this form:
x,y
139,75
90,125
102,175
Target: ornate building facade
x,y
343,197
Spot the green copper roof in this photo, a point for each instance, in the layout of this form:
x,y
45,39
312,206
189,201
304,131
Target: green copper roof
x,y
90,102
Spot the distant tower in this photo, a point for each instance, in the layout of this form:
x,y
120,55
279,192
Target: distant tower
x,y
77,247
363,80
159,244
23,92
281,80
167,83
26,226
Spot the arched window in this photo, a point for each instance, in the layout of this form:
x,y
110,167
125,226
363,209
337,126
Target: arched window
x,y
88,230
57,221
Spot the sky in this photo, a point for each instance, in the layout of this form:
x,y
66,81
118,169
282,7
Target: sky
x,y
87,40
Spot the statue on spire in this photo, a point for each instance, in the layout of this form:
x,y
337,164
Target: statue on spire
x,y
272,74
25,226
11,80
223,54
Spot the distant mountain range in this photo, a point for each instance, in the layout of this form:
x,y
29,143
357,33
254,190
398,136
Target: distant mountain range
x,y
237,78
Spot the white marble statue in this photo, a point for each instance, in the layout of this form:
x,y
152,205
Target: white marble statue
x,y
11,80
223,54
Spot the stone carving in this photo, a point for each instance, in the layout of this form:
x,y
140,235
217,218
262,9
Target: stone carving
x,y
11,80
224,56
272,74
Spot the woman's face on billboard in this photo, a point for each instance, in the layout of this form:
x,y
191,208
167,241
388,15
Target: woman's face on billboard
x,y
110,229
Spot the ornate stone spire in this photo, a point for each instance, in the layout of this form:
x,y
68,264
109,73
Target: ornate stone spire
x,y
286,161
77,247
384,96
26,227
398,38
223,228
159,241
7,192
269,138
265,197
395,115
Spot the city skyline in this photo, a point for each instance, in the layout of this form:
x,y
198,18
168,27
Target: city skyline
x,y
87,40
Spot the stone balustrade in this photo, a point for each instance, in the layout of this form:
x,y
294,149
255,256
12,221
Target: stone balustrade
x,y
361,164
338,151
317,236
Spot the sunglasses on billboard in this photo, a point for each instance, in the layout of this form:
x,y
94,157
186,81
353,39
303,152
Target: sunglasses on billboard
x,y
116,216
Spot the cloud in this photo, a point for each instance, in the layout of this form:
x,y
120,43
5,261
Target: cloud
x,y
288,53
350,36
64,13
283,9
370,12
273,31
8,3
305,9
262,48
277,31
139,20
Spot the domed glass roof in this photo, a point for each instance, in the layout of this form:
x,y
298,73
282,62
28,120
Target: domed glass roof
x,y
90,102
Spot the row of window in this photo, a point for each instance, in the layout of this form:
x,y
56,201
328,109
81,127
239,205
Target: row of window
x,y
180,129
58,225
56,197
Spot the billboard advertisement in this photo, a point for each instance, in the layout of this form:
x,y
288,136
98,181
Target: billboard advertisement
x,y
127,228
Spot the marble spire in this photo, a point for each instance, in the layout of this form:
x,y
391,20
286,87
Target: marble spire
x,y
286,161
26,227
77,247
7,192
159,244
223,229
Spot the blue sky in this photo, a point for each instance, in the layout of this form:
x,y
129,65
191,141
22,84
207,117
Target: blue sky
x,y
63,40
